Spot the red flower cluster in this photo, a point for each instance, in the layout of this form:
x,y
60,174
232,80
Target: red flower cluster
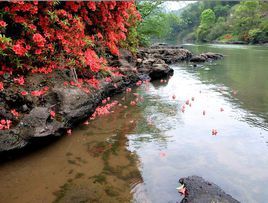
x,y
5,124
19,50
39,40
19,80
2,23
39,93
1,86
70,32
103,110
41,36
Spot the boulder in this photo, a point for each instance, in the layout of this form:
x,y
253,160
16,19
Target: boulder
x,y
160,71
198,59
209,56
201,191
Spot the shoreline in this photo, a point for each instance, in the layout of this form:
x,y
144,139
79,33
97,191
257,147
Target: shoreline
x,y
73,105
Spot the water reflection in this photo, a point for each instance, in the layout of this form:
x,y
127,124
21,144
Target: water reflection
x,y
91,165
244,70
236,159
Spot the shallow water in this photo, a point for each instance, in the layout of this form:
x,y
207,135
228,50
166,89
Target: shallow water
x,y
139,153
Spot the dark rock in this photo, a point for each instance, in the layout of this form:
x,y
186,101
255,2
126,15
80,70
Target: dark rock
x,y
10,140
160,71
209,56
201,191
197,59
24,108
167,54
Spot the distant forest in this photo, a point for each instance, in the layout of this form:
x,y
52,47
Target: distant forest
x,y
208,21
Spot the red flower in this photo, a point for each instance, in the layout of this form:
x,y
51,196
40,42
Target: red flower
x,y
214,132
39,40
14,113
3,121
2,23
91,5
69,131
139,83
32,27
100,36
108,79
19,50
37,93
38,51
28,47
52,114
5,124
1,86
23,93
19,80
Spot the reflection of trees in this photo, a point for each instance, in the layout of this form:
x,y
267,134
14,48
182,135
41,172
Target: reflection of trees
x,y
157,118
244,70
106,145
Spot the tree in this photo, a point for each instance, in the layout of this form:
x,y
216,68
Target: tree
x,y
207,21
208,18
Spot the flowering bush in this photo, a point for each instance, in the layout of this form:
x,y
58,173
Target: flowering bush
x,y
39,37
42,36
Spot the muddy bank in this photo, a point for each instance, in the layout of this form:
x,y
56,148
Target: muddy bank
x,y
201,191
74,104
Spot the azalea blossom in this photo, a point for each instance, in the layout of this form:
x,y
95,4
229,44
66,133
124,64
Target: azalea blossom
x,y
1,86
14,113
19,80
69,131
3,23
5,124
19,50
23,93
214,132
52,114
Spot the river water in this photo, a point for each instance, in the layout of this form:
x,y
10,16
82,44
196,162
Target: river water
x,y
138,152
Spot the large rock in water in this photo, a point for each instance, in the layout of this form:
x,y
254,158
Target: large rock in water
x,y
201,191
209,56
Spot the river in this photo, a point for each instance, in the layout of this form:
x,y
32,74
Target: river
x,y
138,152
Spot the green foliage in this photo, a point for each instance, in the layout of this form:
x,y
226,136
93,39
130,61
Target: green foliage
x,y
149,8
157,25
208,18
148,28
206,21
228,21
132,41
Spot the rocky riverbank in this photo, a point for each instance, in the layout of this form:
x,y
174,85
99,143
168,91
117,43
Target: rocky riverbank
x,y
72,103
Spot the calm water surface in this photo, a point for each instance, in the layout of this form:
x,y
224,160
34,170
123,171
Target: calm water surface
x,y
138,153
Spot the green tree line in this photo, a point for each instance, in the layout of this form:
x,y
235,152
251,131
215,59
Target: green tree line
x,y
209,21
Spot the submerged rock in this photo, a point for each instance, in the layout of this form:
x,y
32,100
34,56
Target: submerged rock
x,y
201,191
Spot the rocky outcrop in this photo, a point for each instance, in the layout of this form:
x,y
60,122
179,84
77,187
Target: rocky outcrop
x,y
201,191
168,54
71,103
74,105
209,56
155,61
